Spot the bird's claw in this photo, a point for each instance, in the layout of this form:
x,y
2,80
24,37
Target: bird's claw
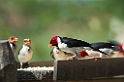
x,y
71,58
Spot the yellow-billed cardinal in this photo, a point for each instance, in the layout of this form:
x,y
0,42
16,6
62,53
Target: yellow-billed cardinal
x,y
12,40
70,45
25,53
106,47
59,55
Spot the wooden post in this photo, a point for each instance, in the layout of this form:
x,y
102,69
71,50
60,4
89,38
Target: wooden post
x,y
8,71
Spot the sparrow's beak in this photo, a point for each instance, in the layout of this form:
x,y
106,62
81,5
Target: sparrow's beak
x,y
50,45
16,39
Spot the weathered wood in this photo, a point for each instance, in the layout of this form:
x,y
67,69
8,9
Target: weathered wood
x,y
35,74
39,75
8,70
88,69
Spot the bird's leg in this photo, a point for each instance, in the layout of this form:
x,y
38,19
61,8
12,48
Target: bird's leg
x,y
72,57
20,65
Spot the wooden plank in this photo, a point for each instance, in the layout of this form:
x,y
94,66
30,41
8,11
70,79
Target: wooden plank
x,y
38,74
35,73
7,63
88,69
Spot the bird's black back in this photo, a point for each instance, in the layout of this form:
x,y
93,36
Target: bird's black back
x,y
99,45
19,50
78,43
74,42
114,42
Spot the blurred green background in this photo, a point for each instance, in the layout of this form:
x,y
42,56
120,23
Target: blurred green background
x,y
39,20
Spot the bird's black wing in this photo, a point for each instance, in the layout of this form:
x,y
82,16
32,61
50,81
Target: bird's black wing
x,y
74,42
78,43
19,51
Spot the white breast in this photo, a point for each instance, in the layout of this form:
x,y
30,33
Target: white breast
x,y
74,50
25,55
94,53
108,51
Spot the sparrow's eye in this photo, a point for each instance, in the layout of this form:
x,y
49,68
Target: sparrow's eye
x,y
12,38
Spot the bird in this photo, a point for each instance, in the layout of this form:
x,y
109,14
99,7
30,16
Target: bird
x,y
70,45
106,47
57,54
119,49
25,53
12,40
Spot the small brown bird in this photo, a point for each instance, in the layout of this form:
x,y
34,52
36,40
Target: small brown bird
x,y
57,54
12,40
25,53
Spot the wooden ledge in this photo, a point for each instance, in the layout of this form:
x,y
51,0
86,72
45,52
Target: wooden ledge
x,y
88,69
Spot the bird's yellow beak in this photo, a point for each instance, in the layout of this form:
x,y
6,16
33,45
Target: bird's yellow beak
x,y
50,45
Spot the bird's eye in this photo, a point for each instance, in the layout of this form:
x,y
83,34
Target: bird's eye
x,y
12,38
53,42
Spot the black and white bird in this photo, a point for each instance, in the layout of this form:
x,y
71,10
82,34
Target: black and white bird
x,y
25,53
12,40
109,48
70,45
106,47
57,54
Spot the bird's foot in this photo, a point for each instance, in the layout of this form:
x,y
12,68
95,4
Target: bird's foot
x,y
72,58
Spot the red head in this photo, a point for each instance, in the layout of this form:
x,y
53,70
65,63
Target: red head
x,y
53,41
83,54
121,47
